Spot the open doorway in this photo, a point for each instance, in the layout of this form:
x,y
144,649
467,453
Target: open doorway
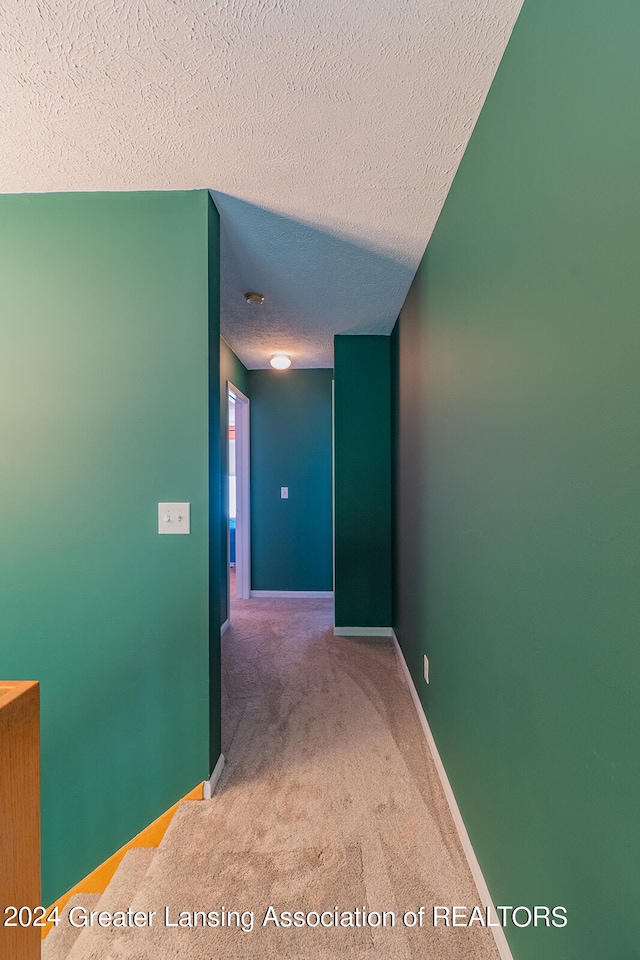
x,y
239,528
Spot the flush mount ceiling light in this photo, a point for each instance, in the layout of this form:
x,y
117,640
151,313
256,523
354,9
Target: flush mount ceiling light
x,y
255,299
280,361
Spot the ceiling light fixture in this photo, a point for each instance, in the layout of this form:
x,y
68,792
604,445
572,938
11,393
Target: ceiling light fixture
x,y
280,361
255,299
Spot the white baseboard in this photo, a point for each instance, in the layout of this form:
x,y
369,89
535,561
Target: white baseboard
x,y
224,627
363,632
293,594
210,784
472,860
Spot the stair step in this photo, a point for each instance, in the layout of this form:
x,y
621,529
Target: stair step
x,y
60,939
94,942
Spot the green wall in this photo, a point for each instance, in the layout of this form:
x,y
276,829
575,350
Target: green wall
x,y
517,437
217,523
104,306
362,482
234,371
291,540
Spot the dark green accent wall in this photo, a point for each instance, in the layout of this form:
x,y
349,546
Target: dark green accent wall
x,y
234,371
217,521
408,480
105,314
517,438
362,481
291,540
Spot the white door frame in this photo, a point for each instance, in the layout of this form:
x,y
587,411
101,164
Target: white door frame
x,y
243,495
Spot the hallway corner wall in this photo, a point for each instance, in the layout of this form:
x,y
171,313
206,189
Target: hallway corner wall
x,y
217,521
362,442
517,458
106,308
232,370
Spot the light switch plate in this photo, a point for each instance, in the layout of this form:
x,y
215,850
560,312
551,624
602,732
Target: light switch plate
x,y
174,518
426,669
284,493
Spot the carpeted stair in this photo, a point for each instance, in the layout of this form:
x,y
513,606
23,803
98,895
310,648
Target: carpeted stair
x,y
66,942
60,939
329,798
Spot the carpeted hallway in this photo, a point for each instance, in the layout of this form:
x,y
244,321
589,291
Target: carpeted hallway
x,y
329,799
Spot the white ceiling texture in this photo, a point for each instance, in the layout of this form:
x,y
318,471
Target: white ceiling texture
x,y
328,133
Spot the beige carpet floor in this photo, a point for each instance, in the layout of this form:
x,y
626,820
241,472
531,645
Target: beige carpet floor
x,y
329,799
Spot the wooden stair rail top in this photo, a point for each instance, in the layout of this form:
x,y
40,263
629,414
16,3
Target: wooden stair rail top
x,y
19,813
10,689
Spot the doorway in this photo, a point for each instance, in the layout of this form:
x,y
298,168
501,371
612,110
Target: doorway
x,y
239,514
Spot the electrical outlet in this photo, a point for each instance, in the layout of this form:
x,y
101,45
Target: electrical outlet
x,y
426,669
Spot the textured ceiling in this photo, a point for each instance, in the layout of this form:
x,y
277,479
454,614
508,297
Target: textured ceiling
x,y
328,133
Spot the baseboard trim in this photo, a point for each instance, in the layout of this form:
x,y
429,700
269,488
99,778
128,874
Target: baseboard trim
x,y
293,594
476,871
224,627
209,785
363,632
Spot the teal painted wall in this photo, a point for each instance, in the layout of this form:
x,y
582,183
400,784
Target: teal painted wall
x,y
362,481
291,540
217,571
103,413
517,433
234,371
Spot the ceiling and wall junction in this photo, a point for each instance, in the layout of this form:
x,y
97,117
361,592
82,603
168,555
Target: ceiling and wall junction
x,y
328,134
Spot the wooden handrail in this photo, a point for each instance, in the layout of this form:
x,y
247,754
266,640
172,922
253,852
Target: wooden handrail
x,y
19,817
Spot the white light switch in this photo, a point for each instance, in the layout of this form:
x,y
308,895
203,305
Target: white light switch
x,y
174,518
284,493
